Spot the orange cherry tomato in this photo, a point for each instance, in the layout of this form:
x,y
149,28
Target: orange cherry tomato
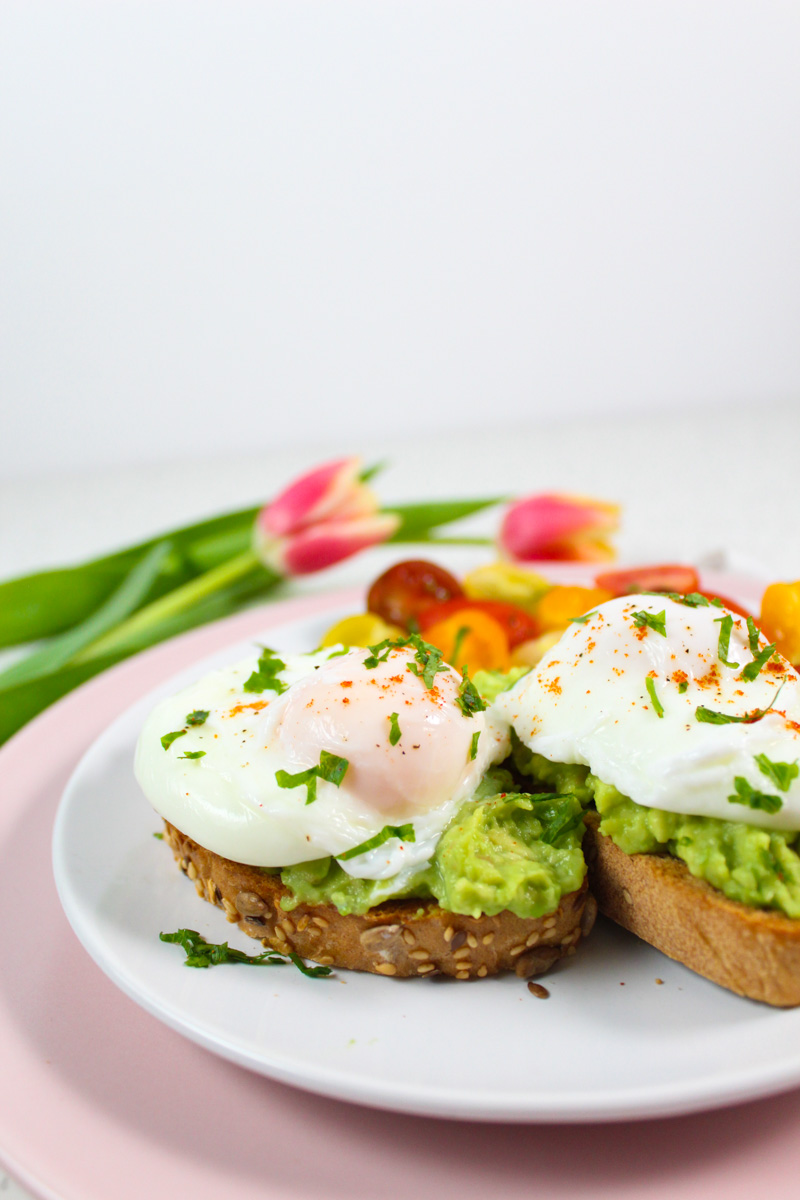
x,y
669,578
519,625
561,605
473,639
402,592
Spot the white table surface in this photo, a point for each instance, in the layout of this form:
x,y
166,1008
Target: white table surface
x,y
691,484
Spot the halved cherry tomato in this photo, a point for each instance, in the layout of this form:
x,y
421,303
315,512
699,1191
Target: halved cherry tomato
x,y
470,638
519,625
669,578
733,605
400,594
561,605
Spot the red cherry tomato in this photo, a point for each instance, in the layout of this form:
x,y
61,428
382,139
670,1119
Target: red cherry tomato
x,y
400,594
518,625
669,578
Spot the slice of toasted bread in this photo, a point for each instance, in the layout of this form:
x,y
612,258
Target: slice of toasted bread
x,y
752,951
399,938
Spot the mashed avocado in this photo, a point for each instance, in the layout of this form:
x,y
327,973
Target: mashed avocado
x,y
504,850
757,867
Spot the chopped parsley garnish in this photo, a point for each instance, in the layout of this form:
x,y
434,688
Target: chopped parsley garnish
x,y
457,644
332,769
582,620
753,669
429,660
780,773
404,832
395,732
198,717
200,953
265,677
752,633
193,754
655,621
380,652
339,653
473,746
725,629
307,778
160,836
696,600
651,691
169,738
565,822
683,686
711,717
747,794
469,699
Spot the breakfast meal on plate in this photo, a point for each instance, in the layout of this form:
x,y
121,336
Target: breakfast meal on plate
x,y
421,794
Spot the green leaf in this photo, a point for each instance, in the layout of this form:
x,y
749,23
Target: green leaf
x,y
473,746
169,738
779,773
747,794
265,677
24,701
202,954
404,832
42,604
418,520
394,729
725,629
754,669
469,699
655,621
124,601
198,717
651,691
306,779
193,754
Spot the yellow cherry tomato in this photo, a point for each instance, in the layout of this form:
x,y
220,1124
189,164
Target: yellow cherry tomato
x,y
364,629
505,581
473,639
780,618
560,605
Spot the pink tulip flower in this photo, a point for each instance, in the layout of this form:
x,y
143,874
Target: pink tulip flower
x,y
323,517
565,528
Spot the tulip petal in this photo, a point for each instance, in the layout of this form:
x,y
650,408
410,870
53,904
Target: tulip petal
x,y
560,527
326,543
333,488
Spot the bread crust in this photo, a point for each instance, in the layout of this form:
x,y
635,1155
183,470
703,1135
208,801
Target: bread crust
x,y
750,951
399,938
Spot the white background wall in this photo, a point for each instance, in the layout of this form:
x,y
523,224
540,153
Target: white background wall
x,y
232,227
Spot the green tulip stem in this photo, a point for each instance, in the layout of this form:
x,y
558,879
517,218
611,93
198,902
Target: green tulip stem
x,y
174,602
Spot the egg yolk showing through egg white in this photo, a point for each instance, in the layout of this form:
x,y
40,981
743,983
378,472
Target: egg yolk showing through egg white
x,y
411,756
679,707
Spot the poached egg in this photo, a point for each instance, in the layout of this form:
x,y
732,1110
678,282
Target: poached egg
x,y
412,757
655,697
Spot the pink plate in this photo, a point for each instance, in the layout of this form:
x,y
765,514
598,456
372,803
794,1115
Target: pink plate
x,y
101,1101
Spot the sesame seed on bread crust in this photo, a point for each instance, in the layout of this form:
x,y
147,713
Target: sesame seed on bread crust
x,y
754,952
399,938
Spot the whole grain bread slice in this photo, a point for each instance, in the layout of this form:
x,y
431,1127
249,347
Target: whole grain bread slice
x,y
753,952
399,938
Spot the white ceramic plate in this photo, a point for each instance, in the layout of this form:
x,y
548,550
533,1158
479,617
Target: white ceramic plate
x,y
611,1042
